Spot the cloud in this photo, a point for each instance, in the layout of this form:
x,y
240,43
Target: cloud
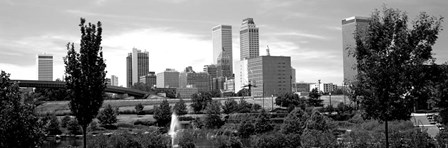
x,y
167,49
302,35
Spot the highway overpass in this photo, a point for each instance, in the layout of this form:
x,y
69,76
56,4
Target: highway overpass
x,y
59,84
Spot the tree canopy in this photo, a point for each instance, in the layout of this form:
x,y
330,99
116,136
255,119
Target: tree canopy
x,y
20,126
85,75
387,56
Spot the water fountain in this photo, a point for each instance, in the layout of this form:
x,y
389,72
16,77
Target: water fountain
x,y
174,127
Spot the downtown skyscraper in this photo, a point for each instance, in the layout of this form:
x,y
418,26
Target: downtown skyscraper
x,y
249,41
222,50
45,67
350,27
137,64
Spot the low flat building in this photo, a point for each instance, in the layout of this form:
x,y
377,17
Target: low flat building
x,y
186,92
150,79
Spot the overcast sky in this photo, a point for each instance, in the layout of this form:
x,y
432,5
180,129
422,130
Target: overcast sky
x,y
177,33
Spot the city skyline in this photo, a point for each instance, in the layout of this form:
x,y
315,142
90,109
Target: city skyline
x,y
180,36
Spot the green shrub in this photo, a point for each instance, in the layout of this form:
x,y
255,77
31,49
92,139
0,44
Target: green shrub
x,y
139,109
318,138
73,127
65,120
442,138
276,140
223,141
185,118
107,116
52,126
144,122
246,128
230,106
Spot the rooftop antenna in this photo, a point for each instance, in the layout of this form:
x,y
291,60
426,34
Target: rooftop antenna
x,y
267,50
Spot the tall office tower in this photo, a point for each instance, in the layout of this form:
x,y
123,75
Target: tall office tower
x,y
168,79
350,27
45,67
222,50
270,75
249,39
137,64
114,80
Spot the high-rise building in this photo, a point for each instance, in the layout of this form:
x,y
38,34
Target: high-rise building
x,y
137,64
45,67
222,50
114,80
249,41
350,27
241,77
150,79
270,75
168,79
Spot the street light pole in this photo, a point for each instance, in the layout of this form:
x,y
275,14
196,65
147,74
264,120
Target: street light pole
x,y
330,100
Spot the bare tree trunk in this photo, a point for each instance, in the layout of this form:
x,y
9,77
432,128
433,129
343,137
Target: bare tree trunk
x,y
84,133
387,135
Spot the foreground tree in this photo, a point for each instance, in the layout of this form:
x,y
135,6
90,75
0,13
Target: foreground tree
x,y
19,123
295,122
386,56
163,113
263,123
200,101
180,108
213,115
85,75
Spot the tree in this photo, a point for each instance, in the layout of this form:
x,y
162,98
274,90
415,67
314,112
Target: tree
x,y
180,108
317,138
230,106
288,99
295,122
65,120
141,86
244,107
314,99
73,126
387,54
52,127
243,92
213,115
20,126
246,128
85,75
163,113
200,101
107,116
139,109
319,122
263,123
